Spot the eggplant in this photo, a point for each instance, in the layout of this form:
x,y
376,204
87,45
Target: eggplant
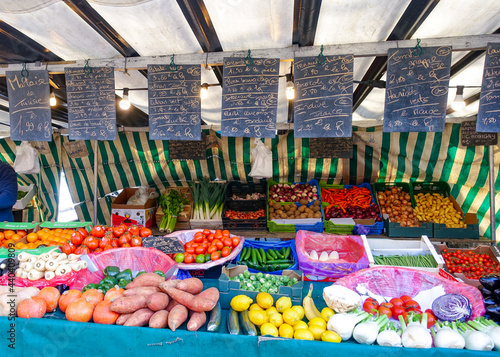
x,y
484,291
490,281
490,301
493,311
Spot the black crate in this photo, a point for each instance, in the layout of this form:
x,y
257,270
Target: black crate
x,y
244,206
242,189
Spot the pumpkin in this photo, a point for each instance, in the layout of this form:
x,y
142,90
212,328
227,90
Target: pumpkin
x,y
95,295
32,307
80,310
68,297
51,296
114,293
103,315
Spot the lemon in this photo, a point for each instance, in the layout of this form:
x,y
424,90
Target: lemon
x,y
290,316
330,336
269,329
271,310
318,321
316,331
303,334
300,325
286,331
283,303
326,313
265,300
276,319
258,317
300,311
254,307
240,303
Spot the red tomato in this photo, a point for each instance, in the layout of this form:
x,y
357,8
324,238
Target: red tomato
x,y
387,305
122,241
134,230
225,233
108,247
97,250
198,237
68,248
114,243
145,232
218,234
127,235
218,244
207,232
92,243
97,231
136,241
211,237
236,241
83,249
190,250
215,255
411,304
104,242
199,250
370,307
385,311
188,258
126,245
405,298
76,238
397,302
118,231
83,232
225,251
227,242
211,249
398,310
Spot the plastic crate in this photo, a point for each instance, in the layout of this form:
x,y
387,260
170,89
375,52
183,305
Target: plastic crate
x,y
242,189
272,245
394,229
330,227
293,227
244,206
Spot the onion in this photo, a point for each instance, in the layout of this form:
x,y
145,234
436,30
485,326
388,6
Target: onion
x,y
451,307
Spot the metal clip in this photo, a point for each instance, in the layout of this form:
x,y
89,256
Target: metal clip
x,y
248,59
417,48
87,69
24,71
172,67
320,59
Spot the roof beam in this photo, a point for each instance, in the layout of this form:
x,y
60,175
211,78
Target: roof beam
x,y
305,21
414,15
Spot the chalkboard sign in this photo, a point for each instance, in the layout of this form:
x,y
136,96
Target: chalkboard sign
x,y
470,137
417,89
331,148
29,107
168,245
188,150
488,116
91,103
323,97
250,97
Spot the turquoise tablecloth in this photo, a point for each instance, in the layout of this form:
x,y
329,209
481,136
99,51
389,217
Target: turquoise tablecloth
x,y
54,336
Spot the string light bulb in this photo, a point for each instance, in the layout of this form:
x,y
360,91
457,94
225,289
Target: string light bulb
x,y
125,103
459,103
52,99
290,90
204,91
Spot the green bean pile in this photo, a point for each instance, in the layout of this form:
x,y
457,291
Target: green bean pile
x,y
422,261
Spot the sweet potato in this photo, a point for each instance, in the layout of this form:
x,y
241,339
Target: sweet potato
x,y
177,316
170,283
195,303
191,285
128,304
196,321
158,301
210,294
141,290
139,318
123,318
159,319
171,305
146,279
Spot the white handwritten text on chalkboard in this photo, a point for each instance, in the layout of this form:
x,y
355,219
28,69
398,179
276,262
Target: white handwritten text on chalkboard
x,y
488,116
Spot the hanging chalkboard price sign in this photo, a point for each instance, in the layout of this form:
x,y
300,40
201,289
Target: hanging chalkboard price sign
x,y
470,137
91,103
331,148
488,116
417,89
323,97
250,97
29,107
168,245
174,102
187,150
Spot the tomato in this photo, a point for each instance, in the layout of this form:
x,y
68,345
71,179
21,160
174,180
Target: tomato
x,y
190,250
76,238
225,233
122,241
218,244
134,230
118,231
145,232
225,251
211,249
215,255
405,298
136,241
97,231
114,243
104,242
126,245
211,237
97,250
411,304
179,258
92,242
218,234
385,311
127,236
188,258
236,241
370,307
83,249
108,247
83,232
68,248
397,302
198,237
398,310
227,242
431,320
199,250
387,305
206,232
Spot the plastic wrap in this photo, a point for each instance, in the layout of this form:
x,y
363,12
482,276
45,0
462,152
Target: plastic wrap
x,y
394,282
352,255
136,259
186,236
66,279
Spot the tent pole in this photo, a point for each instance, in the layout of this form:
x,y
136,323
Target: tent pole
x,y
492,194
96,155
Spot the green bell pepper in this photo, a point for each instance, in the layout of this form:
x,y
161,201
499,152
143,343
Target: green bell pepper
x,y
123,283
160,273
89,286
126,274
111,271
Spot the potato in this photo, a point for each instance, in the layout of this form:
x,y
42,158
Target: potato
x,y
317,215
158,301
159,319
317,203
277,206
310,215
279,212
303,215
284,216
302,209
303,201
316,208
286,208
139,318
296,213
293,207
271,209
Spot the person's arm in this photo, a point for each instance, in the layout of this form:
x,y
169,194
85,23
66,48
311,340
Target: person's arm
x,y
8,190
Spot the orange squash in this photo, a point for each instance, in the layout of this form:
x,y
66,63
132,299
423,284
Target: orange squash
x,y
95,295
80,310
51,296
114,293
103,315
32,307
68,297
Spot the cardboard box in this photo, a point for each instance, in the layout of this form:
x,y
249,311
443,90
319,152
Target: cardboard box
x,y
23,202
229,288
212,273
376,246
141,215
182,223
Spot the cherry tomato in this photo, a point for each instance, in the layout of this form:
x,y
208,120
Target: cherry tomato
x,y
431,320
188,258
397,302
411,304
211,249
218,234
215,255
382,310
236,241
199,250
370,307
225,251
211,237
198,237
190,250
405,298
218,244
397,310
206,232
225,233
227,242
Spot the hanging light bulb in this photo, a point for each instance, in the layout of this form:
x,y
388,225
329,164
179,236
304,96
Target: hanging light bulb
x,y
204,91
124,103
52,99
290,90
459,103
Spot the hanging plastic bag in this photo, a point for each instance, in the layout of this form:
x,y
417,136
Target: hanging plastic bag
x,y
262,165
26,161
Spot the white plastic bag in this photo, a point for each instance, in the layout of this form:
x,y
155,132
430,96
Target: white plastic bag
x,y
26,161
262,165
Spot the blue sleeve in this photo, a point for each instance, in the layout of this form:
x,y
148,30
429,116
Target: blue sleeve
x,y
8,190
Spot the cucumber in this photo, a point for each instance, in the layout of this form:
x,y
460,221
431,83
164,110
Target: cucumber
x,y
248,255
273,253
280,261
254,256
233,325
215,318
257,254
247,326
268,255
287,252
262,255
243,253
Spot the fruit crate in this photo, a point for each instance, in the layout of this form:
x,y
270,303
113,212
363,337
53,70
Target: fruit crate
x,y
296,224
394,229
440,230
244,206
242,189
332,227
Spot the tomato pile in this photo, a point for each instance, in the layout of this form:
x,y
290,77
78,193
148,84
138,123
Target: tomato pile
x,y
207,246
102,238
472,265
402,306
245,215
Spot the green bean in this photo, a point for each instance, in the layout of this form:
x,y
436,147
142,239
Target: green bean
x,y
422,261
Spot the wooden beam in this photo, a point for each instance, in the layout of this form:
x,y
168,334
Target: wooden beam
x,y
366,49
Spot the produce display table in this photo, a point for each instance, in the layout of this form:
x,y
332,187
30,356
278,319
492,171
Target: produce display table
x,y
54,336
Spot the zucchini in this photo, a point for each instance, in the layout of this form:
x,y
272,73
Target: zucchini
x,y
247,326
287,252
262,255
233,325
215,318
